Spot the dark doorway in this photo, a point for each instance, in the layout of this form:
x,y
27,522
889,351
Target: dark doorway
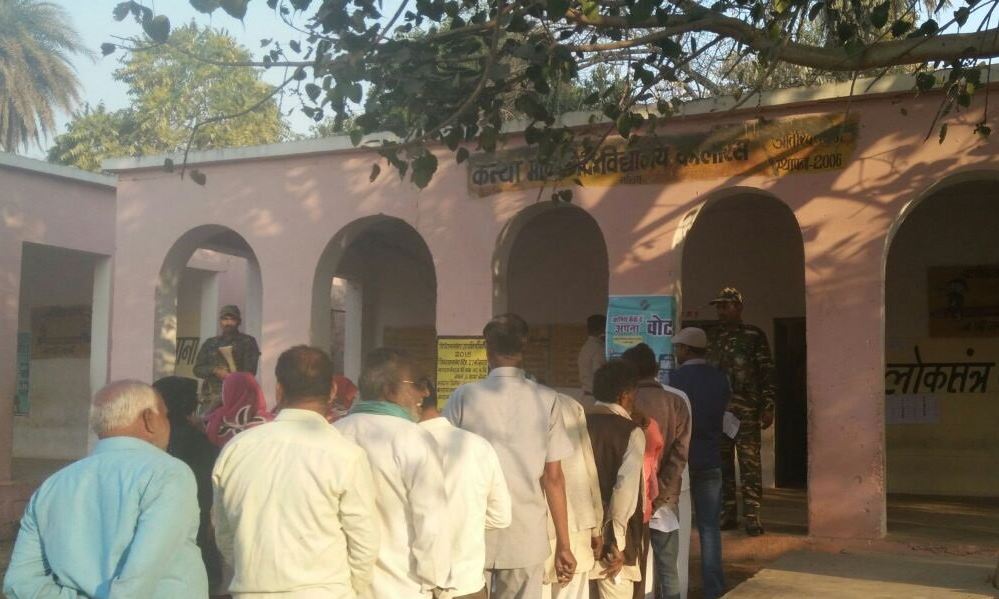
x,y
791,422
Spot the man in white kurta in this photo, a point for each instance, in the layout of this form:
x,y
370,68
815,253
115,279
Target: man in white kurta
x,y
477,498
522,422
586,512
294,500
410,500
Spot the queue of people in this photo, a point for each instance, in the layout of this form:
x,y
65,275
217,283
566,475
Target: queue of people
x,y
512,491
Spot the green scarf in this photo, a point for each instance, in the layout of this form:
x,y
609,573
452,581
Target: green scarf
x,y
382,408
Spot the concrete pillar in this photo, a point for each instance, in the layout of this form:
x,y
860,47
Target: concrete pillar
x,y
10,292
846,432
100,332
286,313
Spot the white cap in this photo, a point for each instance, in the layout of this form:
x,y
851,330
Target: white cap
x,y
691,337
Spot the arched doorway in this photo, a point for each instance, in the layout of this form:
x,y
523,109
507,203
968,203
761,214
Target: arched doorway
x,y
750,240
208,267
551,267
941,352
375,285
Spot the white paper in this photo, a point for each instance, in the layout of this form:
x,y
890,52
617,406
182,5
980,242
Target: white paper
x,y
664,520
730,425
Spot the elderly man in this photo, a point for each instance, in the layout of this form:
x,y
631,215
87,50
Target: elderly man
x,y
477,497
230,351
119,523
524,424
410,500
741,351
294,499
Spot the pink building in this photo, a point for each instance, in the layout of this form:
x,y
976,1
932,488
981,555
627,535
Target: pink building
x,y
846,231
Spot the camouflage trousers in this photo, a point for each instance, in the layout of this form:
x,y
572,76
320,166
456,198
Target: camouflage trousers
x,y
746,446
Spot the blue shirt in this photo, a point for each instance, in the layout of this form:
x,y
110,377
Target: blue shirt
x,y
708,390
120,523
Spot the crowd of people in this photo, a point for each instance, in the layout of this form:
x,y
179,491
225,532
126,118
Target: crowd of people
x,y
512,490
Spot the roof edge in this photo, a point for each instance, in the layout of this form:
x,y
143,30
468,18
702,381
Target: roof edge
x,y
829,92
56,170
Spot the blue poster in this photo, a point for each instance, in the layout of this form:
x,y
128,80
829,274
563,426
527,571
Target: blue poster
x,y
649,319
22,390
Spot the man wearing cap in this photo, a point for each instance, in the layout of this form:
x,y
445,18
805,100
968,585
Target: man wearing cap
x,y
231,351
741,351
708,391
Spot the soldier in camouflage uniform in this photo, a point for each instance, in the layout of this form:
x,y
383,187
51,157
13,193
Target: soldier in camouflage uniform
x,y
742,352
211,366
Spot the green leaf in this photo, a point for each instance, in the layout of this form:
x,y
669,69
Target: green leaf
x,y
312,90
108,48
157,28
879,15
943,132
295,45
900,27
235,8
199,177
168,165
205,6
488,138
375,171
121,10
670,47
356,135
424,167
557,9
925,81
983,129
961,15
461,156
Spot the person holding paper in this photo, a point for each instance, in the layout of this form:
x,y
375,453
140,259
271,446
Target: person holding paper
x,y
230,351
709,393
618,451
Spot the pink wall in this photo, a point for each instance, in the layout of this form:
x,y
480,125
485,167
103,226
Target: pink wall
x,y
51,206
288,209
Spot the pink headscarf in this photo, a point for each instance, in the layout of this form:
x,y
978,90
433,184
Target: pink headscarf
x,y
346,392
243,406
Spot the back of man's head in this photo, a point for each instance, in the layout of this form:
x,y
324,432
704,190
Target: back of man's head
x,y
612,379
505,335
382,372
643,359
180,394
430,399
596,325
118,407
304,373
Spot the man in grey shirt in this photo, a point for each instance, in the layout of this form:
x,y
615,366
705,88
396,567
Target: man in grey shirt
x,y
521,420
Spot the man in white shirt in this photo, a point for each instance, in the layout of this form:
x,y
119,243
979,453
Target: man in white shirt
x,y
619,450
477,497
294,500
522,422
586,512
410,501
592,355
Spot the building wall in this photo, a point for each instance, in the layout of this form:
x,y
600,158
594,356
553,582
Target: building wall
x,y
294,205
954,454
46,205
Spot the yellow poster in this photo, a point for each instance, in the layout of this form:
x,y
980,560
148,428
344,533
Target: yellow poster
x,y
60,332
774,147
459,360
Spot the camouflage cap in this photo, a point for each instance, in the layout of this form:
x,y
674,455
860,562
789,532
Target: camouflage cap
x,y
728,294
230,310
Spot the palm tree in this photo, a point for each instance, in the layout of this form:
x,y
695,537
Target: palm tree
x,y
36,76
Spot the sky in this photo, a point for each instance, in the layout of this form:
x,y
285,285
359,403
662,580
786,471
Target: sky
x,y
93,20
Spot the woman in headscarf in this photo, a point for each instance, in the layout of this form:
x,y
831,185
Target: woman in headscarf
x,y
343,398
243,406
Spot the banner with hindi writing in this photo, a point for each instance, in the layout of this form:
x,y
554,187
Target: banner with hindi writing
x,y
460,360
963,300
649,319
773,147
